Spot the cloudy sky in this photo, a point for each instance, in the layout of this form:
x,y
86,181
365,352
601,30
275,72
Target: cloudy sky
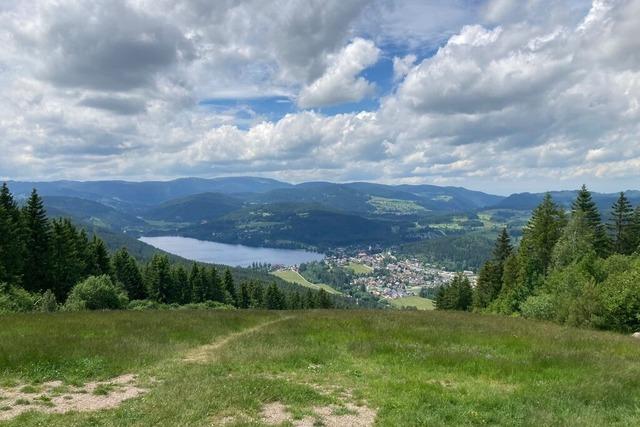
x,y
498,95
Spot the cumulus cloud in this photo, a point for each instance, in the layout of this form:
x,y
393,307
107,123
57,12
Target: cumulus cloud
x,y
506,96
340,83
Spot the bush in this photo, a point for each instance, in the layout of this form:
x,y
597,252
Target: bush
x,y
96,293
15,300
620,299
47,302
540,307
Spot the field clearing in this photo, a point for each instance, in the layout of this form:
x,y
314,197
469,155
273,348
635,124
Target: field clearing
x,y
413,301
295,277
359,268
397,368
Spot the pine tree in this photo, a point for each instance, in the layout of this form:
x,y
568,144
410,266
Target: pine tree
x,y
620,225
12,243
274,299
230,287
216,289
98,258
244,300
257,295
158,279
324,301
126,272
635,229
310,300
503,247
67,265
197,284
36,277
585,204
181,285
295,301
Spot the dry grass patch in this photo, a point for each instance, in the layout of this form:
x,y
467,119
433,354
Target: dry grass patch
x,y
55,398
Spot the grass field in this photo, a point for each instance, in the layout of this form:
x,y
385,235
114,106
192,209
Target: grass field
x,y
408,368
295,277
359,268
413,301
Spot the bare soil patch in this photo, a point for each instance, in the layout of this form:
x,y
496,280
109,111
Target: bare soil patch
x,y
56,398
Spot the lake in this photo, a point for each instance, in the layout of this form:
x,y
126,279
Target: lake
x,y
234,255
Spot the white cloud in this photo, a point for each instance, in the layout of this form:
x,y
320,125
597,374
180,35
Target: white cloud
x,y
340,82
519,95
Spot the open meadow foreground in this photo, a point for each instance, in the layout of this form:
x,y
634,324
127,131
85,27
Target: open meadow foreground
x,y
311,368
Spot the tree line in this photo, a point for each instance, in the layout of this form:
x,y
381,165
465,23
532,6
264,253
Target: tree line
x,y
570,267
46,263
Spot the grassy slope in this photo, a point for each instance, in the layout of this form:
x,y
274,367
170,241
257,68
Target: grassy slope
x,y
416,368
295,277
413,301
359,268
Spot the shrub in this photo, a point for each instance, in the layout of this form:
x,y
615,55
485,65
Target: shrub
x,y
47,302
14,299
620,298
540,307
96,293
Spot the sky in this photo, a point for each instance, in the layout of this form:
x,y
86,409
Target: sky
x,y
500,95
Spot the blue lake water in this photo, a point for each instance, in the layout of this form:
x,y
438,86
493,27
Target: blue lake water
x,y
234,255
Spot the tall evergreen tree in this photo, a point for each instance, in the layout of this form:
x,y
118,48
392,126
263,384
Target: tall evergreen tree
x,y
635,230
621,226
198,284
159,280
457,295
274,299
230,287
36,275
67,265
99,262
12,243
216,288
244,299
181,285
584,203
503,246
126,271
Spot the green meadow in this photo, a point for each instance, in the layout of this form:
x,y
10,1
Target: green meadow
x,y
413,301
407,368
295,277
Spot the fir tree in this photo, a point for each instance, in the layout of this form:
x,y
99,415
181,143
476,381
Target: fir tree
x,y
181,285
126,272
12,243
324,301
37,241
98,258
585,204
244,299
197,284
456,295
158,279
230,287
503,247
215,288
621,227
67,265
274,299
635,229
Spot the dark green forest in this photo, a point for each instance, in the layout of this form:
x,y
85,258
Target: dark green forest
x,y
574,268
49,264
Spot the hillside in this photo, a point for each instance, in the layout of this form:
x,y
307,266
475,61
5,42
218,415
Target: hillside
x,y
194,208
342,367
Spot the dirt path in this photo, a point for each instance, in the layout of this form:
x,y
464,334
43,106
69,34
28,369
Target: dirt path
x,y
206,352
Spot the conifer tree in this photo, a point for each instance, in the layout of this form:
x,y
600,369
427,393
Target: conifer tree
x,y
36,275
244,299
126,271
67,265
620,225
585,204
98,258
12,243
635,230
274,299
324,301
197,284
503,246
310,300
230,287
181,285
158,279
216,289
